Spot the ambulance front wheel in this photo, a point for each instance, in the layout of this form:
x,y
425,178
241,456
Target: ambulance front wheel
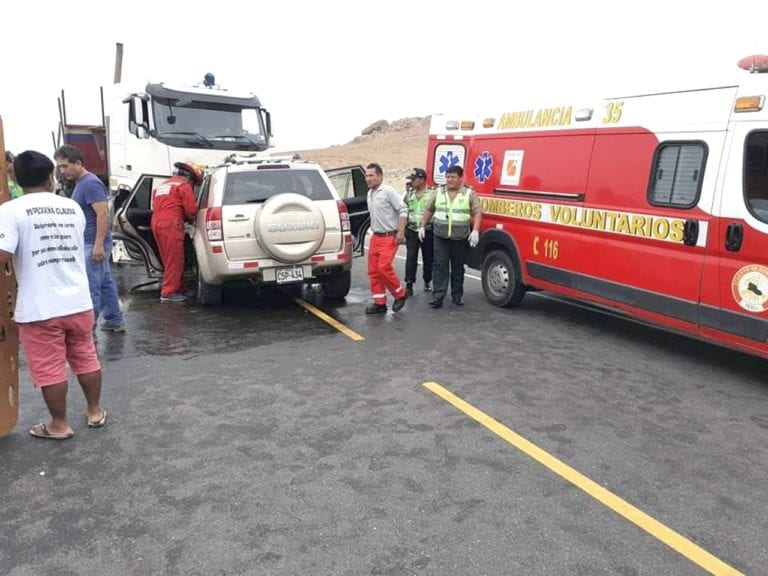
x,y
501,280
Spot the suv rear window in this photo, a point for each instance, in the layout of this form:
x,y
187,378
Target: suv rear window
x,y
259,185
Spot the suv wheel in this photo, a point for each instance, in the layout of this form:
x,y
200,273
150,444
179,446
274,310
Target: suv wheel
x,y
337,285
208,294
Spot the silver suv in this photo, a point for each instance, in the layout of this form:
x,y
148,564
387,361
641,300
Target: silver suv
x,y
265,220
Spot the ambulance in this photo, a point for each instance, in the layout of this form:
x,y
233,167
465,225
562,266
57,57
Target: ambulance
x,y
654,205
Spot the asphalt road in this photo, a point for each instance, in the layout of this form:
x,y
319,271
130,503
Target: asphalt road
x,y
258,439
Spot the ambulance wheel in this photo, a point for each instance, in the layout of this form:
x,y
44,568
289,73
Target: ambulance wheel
x,y
501,280
208,294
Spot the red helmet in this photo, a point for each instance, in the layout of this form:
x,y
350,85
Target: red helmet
x,y
190,171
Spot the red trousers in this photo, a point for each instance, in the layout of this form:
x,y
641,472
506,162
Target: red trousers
x,y
169,235
380,271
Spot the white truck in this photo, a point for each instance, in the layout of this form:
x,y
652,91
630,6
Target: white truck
x,y
151,129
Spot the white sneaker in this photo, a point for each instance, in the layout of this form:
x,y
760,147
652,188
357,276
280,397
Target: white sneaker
x,y
173,298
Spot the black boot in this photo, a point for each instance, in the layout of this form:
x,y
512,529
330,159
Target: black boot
x,y
376,309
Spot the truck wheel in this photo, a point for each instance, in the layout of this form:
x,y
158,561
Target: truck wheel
x,y
208,294
338,285
502,283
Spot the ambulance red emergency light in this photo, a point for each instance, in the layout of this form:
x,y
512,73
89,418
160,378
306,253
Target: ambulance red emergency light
x,y
654,205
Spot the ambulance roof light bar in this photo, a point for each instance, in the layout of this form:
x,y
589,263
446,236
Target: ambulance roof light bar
x,y
463,125
755,64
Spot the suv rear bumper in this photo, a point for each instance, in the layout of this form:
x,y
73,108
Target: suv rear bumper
x,y
216,269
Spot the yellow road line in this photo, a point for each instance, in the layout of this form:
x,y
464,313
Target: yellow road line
x,y
328,320
655,528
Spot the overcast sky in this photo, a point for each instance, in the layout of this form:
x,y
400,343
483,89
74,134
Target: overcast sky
x,y
327,69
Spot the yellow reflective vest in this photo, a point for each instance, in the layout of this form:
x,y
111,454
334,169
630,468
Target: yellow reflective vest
x,y
452,217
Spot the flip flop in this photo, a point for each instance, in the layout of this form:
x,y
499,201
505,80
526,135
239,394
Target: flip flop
x,y
98,423
41,431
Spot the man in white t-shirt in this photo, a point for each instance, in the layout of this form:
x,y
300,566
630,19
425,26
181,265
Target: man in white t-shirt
x,y
43,234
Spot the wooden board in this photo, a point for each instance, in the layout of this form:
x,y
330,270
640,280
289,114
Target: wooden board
x,y
9,334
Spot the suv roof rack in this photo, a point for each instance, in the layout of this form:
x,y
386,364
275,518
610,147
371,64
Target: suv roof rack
x,y
235,158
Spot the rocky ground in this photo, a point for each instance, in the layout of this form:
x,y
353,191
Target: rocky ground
x,y
398,146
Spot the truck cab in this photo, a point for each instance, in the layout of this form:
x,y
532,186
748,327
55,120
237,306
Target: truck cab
x,y
151,129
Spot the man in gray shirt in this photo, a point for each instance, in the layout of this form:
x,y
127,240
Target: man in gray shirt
x,y
389,215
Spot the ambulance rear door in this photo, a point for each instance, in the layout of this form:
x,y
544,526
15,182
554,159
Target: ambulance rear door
x,y
735,286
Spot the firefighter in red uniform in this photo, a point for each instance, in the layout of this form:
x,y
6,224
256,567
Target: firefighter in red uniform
x,y
172,202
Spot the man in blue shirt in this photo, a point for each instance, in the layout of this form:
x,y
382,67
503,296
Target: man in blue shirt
x,y
91,194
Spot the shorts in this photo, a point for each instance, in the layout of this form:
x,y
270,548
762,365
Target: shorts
x,y
49,345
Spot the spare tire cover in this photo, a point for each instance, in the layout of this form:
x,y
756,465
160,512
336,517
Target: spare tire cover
x,y
290,227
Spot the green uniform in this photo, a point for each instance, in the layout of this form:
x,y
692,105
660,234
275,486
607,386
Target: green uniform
x,y
416,207
14,189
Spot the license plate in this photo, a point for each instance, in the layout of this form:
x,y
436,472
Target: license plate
x,y
293,274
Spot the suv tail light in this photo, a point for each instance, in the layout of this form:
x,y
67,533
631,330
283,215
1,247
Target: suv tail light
x,y
213,226
344,215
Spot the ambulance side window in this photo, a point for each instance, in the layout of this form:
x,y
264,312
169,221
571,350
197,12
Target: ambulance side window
x,y
756,174
678,171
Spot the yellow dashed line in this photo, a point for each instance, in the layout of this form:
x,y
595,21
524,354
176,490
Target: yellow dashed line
x,y
655,528
328,320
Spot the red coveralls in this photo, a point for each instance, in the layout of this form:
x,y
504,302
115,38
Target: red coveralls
x,y
172,201
381,273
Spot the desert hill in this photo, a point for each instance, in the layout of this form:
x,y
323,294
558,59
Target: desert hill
x,y
398,146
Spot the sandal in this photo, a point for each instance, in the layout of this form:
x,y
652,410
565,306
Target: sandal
x,y
41,431
98,423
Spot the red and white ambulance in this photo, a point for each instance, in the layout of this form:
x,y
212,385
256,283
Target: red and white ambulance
x,y
655,205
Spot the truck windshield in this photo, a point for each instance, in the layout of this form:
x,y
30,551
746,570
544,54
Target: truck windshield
x,y
208,124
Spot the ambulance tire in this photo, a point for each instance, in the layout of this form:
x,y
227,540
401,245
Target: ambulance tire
x,y
502,283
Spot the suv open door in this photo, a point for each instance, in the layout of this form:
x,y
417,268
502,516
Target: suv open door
x,y
131,224
352,188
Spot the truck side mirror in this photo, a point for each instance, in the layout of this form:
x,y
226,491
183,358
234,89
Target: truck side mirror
x,y
268,122
132,126
138,116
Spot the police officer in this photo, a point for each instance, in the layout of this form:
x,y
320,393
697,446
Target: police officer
x,y
172,202
417,197
13,188
453,206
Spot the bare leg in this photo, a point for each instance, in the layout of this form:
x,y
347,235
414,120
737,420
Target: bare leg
x,y
91,385
55,397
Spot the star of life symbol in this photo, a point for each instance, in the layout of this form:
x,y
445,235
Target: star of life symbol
x,y
447,160
483,165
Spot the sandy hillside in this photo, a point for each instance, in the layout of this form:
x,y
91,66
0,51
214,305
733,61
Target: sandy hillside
x,y
398,146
